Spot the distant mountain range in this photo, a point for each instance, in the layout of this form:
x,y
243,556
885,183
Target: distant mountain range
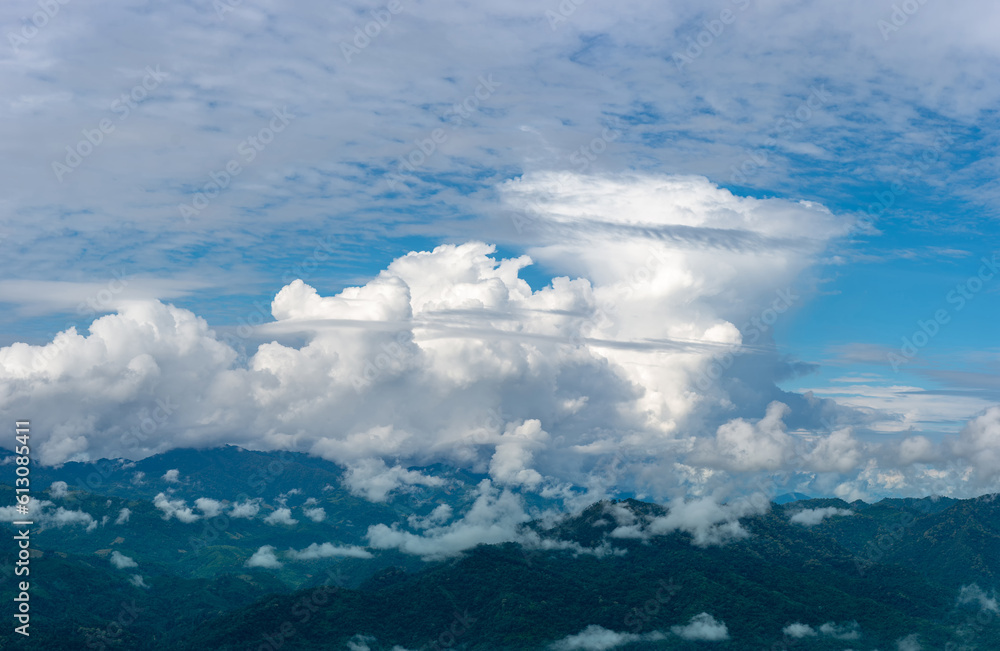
x,y
232,549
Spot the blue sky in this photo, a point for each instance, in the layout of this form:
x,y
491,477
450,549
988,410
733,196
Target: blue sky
x,y
893,130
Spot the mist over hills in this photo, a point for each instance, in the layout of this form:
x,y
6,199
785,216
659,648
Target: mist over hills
x,y
233,549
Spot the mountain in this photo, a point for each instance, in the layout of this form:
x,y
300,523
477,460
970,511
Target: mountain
x,y
226,549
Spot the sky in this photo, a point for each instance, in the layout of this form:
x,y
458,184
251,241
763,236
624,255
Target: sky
x,y
660,249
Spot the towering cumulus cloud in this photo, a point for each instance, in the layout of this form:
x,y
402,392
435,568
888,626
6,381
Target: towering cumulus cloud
x,y
646,360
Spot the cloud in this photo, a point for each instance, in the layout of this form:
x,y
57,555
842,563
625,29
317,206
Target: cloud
x,y
281,516
646,353
317,514
172,476
702,627
138,581
175,508
496,516
373,480
849,631
248,509
44,515
909,643
209,507
979,444
705,519
58,489
514,452
598,638
264,557
123,515
328,550
798,630
121,561
974,594
812,517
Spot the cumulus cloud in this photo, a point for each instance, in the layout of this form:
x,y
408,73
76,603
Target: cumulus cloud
x,y
514,452
798,630
248,509
909,643
264,557
979,444
708,521
702,627
316,514
496,516
172,476
281,516
328,550
631,350
209,507
974,594
175,509
123,516
121,561
373,480
44,515
598,638
812,517
58,489
848,631
138,581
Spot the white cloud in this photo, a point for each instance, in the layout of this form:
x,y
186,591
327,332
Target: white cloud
x,y
121,561
328,550
496,516
812,517
58,489
281,516
373,480
849,631
175,508
138,581
209,507
248,509
172,476
514,453
798,630
974,594
44,515
123,515
317,514
702,627
909,643
264,557
598,638
618,356
708,521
